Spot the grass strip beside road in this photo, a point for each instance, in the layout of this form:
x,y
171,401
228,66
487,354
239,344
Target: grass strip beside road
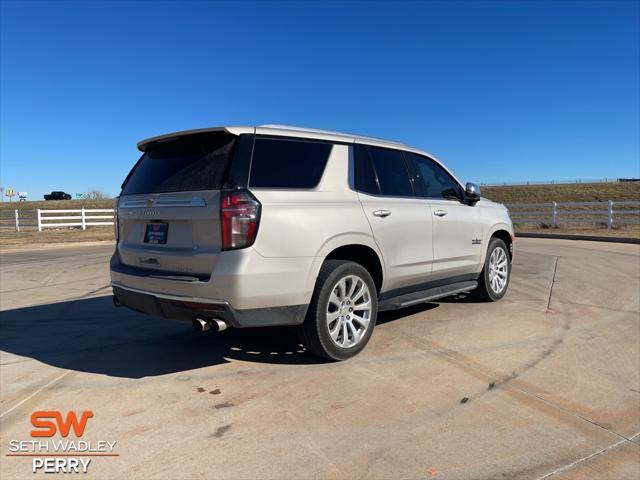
x,y
68,235
57,204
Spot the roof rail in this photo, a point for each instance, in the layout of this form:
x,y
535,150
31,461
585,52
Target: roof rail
x,y
328,132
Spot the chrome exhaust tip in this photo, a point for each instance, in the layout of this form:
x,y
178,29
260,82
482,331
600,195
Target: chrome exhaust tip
x,y
200,325
221,324
215,324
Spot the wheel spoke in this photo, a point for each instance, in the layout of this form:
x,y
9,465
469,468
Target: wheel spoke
x,y
335,331
362,306
354,332
334,300
363,289
345,335
364,322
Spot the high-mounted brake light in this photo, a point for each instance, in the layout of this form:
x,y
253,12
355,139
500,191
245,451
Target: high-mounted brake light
x,y
239,219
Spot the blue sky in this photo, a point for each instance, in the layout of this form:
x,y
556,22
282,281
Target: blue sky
x,y
500,91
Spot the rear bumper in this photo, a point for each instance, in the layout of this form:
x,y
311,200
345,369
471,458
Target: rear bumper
x,y
243,278
182,309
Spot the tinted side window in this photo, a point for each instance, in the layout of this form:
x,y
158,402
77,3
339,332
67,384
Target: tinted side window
x,y
288,163
391,171
365,177
431,180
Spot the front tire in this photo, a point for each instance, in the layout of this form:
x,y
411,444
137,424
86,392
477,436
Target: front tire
x,y
342,312
495,276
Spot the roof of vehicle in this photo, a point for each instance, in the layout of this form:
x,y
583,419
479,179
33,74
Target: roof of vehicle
x,y
280,130
297,132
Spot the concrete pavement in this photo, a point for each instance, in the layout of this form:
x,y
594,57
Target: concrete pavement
x,y
543,384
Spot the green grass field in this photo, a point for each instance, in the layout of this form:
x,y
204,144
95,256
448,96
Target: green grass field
x,y
574,192
57,204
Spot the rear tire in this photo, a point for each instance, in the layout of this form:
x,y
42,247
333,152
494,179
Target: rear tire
x,y
495,276
342,312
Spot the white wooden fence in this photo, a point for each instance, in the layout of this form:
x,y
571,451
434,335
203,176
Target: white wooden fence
x,y
609,213
43,218
553,214
82,217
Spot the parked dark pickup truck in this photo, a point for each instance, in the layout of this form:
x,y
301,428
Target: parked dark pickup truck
x,y
57,196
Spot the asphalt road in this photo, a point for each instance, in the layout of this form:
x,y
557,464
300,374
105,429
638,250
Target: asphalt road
x,y
544,384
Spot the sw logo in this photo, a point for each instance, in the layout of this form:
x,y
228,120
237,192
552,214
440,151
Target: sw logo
x,y
45,427
60,455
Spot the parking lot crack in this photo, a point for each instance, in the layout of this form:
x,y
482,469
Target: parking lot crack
x,y
574,414
553,281
569,466
29,397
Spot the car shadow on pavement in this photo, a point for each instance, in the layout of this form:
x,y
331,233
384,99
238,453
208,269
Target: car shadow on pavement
x,y
461,298
391,315
91,335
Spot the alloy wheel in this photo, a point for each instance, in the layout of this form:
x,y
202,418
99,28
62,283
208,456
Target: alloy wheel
x,y
349,311
498,270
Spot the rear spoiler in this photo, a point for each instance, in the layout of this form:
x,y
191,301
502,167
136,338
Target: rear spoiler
x,y
144,144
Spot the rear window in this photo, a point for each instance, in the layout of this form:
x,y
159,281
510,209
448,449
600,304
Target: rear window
x,y
192,162
287,163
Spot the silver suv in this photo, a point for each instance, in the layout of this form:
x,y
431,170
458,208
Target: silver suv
x,y
274,225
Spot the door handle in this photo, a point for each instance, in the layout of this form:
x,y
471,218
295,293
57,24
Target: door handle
x,y
382,213
440,213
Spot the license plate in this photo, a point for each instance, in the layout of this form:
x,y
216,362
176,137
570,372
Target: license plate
x,y
156,233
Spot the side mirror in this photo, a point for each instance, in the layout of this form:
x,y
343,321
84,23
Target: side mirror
x,y
472,192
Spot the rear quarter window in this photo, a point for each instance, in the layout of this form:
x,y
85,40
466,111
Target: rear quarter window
x,y
284,163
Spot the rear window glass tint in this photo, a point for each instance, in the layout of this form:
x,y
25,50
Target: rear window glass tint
x,y
392,172
365,177
288,163
193,162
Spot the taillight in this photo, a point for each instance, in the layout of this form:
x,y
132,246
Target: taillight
x,y
239,219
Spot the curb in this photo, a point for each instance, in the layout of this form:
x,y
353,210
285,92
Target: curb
x,y
591,238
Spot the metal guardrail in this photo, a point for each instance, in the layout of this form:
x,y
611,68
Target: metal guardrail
x,y
554,214
41,219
